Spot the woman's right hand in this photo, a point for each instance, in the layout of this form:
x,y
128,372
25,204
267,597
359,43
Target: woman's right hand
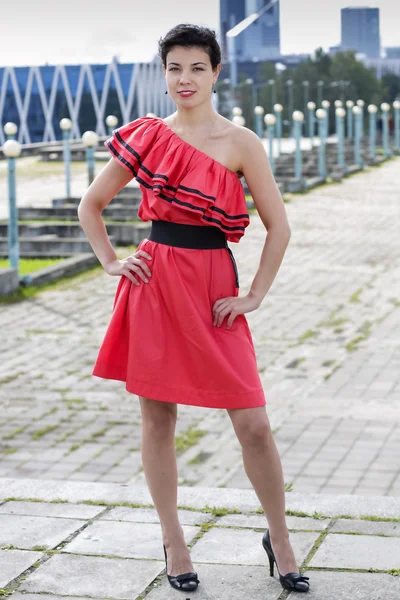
x,y
130,266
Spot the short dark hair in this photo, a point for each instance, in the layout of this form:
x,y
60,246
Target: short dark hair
x,y
188,35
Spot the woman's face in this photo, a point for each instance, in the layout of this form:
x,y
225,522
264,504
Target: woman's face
x,y
189,70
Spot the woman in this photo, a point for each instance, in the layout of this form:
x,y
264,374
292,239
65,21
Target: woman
x,y
178,334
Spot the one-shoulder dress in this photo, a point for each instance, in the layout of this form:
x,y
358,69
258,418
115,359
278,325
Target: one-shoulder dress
x,y
161,340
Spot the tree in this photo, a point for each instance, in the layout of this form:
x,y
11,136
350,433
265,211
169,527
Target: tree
x,y
391,87
363,81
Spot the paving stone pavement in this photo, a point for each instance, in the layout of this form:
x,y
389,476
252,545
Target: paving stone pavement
x,y
57,544
327,345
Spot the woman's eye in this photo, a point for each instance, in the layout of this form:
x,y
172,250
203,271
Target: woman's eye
x,y
198,68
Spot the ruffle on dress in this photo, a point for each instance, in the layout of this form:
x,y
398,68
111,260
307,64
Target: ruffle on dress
x,y
168,168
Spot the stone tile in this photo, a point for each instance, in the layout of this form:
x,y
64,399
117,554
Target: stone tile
x,y
92,577
15,562
27,532
336,585
51,509
368,527
244,547
339,551
130,540
260,522
225,582
18,596
149,515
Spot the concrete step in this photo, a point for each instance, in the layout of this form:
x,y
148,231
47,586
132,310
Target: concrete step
x,y
120,200
118,212
37,246
124,234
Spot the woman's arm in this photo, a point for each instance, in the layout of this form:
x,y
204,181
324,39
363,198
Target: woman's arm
x,y
268,201
100,193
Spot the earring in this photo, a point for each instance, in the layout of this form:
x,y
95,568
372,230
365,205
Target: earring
x,y
166,92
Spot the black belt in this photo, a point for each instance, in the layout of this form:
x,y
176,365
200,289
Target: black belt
x,y
199,237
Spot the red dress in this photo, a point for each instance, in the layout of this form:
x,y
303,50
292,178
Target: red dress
x,y
161,339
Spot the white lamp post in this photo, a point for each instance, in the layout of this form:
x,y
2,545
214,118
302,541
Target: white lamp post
x,y
385,107
326,105
361,104
372,109
270,121
90,139
278,108
12,149
357,112
340,115
259,111
111,122
311,106
349,105
321,116
396,108
298,119
239,120
66,126
10,129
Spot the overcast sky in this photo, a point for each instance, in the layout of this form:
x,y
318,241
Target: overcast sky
x,y
38,31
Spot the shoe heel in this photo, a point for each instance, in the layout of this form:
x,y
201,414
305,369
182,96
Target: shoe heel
x,y
271,565
271,557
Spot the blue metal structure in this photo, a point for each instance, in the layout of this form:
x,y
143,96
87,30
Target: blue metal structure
x,y
37,98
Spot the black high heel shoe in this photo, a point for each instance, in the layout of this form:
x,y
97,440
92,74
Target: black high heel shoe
x,y
295,582
187,582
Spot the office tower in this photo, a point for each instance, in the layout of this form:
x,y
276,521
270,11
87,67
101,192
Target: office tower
x,y
360,31
231,13
260,40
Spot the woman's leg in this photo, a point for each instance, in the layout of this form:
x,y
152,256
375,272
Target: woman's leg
x,y
159,463
264,469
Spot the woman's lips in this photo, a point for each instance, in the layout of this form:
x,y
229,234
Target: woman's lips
x,y
186,94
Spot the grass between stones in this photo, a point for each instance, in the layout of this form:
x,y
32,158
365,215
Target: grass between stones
x,y
188,438
216,511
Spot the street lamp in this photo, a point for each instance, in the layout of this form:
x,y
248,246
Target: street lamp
x,y
237,111
361,104
231,37
278,108
321,116
306,86
320,89
259,111
357,112
396,108
112,122
289,84
10,129
311,121
90,139
349,105
66,126
271,82
239,120
372,109
325,105
298,119
340,115
12,149
385,107
270,121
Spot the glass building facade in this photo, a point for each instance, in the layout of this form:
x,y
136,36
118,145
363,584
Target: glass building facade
x,y
37,98
360,31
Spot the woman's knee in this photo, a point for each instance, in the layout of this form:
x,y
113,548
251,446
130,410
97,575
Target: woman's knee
x,y
252,429
158,417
